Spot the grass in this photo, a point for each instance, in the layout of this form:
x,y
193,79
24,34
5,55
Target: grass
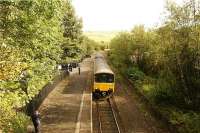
x,y
101,36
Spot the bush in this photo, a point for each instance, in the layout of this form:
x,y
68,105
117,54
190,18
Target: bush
x,y
12,121
135,74
102,47
163,92
20,123
187,122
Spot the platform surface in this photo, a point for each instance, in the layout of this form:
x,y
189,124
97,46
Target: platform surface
x,y
67,109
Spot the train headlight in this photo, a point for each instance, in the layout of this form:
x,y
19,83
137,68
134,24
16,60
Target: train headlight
x,y
97,90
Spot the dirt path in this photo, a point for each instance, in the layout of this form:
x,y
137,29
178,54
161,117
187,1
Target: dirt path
x,y
62,110
135,118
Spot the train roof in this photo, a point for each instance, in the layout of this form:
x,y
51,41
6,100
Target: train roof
x,y
101,66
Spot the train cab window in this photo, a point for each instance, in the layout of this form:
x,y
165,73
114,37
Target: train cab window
x,y
104,78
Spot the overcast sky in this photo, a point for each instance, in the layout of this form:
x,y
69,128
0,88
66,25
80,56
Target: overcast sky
x,y
109,15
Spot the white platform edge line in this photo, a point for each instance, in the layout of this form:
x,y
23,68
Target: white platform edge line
x,y
78,124
91,113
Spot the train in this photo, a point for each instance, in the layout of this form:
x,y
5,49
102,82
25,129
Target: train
x,y
104,78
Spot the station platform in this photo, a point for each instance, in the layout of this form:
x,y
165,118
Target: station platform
x,y
68,108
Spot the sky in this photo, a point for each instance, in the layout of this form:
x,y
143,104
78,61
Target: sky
x,y
119,15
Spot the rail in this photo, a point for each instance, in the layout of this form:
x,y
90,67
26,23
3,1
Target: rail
x,y
107,118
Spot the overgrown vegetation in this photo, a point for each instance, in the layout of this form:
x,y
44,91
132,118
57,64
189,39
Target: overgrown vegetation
x,y
35,36
164,64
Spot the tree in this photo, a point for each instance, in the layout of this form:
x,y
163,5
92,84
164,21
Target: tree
x,y
32,35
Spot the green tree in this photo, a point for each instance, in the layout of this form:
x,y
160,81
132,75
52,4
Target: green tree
x,y
32,36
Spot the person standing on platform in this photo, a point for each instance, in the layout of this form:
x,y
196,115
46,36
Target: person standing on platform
x,y
70,67
36,121
79,69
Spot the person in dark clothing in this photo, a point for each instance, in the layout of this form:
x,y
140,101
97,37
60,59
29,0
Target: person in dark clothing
x,y
36,120
70,67
79,69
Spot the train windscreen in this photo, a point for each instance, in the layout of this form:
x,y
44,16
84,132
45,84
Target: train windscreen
x,y
104,78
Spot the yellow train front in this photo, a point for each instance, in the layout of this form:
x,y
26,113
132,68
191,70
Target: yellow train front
x,y
104,78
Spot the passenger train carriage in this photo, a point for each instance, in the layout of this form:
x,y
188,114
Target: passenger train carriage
x,y
104,78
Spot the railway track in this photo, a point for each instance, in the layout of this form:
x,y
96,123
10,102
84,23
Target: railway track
x,y
105,119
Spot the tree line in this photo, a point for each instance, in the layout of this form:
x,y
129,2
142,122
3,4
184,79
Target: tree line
x,y
164,63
